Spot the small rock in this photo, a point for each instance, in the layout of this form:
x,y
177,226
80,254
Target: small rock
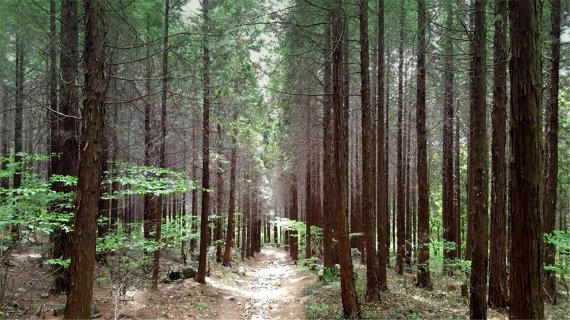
x,y
45,295
239,303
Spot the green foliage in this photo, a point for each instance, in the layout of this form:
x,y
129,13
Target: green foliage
x,y
330,275
57,262
322,311
561,241
27,207
460,266
146,180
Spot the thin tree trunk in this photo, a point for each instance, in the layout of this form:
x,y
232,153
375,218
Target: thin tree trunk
x,y
477,168
18,124
382,225
219,198
457,188
497,268
308,209
350,304
232,202
194,208
204,235
84,236
157,221
448,211
551,152
368,161
294,215
423,280
400,184
328,149
66,139
150,205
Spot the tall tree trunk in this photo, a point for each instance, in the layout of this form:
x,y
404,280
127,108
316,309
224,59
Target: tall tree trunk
x,y
157,221
350,304
497,267
368,160
457,188
328,149
232,201
477,168
294,215
194,208
84,236
382,221
448,211
67,136
424,280
387,163
526,247
52,83
551,152
5,151
18,124
308,209
204,235
400,184
150,205
219,198
408,176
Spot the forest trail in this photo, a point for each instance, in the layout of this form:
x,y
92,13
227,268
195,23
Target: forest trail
x,y
271,287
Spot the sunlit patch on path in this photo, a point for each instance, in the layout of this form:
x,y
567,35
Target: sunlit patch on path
x,y
270,288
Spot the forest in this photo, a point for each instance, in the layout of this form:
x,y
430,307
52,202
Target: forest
x,y
295,159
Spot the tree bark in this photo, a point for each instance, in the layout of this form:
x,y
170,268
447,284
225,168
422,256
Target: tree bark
x,y
497,268
368,160
84,236
157,221
448,211
219,198
477,168
457,188
294,215
150,203
350,304
526,247
328,149
400,184
204,235
232,201
308,209
382,225
551,152
424,280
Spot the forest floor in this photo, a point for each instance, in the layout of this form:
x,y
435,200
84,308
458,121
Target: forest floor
x,y
404,301
269,286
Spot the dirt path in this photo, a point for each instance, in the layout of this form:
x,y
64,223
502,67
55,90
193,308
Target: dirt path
x,y
271,287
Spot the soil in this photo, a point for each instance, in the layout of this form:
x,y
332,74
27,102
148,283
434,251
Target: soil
x,y
271,288
268,286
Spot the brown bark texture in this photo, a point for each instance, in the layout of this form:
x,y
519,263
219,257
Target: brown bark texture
x,y
400,183
423,280
478,168
551,152
526,169
351,308
84,236
382,221
448,211
498,289
204,234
